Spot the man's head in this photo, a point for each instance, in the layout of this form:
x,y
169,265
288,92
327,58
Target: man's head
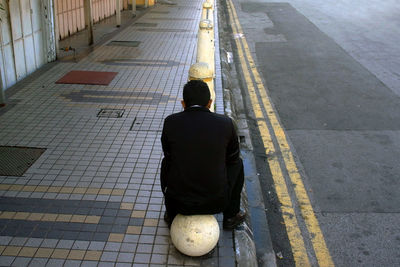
x,y
196,92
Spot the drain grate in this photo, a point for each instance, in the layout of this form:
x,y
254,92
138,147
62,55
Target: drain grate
x,y
147,124
110,113
124,43
145,24
15,161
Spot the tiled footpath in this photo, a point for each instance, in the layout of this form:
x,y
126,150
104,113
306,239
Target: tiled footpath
x,y
93,197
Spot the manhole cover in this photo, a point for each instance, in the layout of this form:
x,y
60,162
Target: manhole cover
x,y
145,24
124,43
147,124
15,161
110,113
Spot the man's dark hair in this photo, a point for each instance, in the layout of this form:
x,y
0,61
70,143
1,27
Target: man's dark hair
x,y
196,92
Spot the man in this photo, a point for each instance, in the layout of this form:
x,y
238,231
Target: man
x,y
201,172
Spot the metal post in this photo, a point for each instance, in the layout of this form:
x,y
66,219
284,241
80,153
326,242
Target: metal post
x,y
89,20
56,29
134,8
118,11
146,3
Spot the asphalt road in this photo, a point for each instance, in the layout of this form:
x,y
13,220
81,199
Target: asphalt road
x,y
332,69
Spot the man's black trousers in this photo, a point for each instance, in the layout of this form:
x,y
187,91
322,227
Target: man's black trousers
x,y
235,175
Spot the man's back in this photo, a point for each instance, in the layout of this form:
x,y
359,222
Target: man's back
x,y
198,145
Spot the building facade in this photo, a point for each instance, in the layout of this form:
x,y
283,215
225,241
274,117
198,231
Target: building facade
x,y
30,30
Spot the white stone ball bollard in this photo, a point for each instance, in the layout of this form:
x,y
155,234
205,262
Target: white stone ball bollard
x,y
194,235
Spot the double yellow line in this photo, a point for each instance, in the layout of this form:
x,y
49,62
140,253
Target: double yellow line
x,y
280,158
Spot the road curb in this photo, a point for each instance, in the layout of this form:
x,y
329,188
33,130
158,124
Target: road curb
x,y
253,244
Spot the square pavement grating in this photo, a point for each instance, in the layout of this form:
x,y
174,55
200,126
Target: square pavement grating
x,y
15,161
147,124
110,113
124,43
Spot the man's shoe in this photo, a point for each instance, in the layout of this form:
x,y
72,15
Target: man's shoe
x,y
231,223
167,219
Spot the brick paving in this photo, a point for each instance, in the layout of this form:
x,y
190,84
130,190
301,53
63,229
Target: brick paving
x,y
93,197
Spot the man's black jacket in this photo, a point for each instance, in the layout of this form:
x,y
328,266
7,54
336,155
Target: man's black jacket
x,y
198,146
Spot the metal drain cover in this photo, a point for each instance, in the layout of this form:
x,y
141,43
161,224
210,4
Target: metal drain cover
x,y
124,43
147,124
110,113
15,161
145,24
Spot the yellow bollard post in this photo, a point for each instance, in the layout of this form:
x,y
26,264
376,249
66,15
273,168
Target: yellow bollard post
x,y
205,44
201,71
207,12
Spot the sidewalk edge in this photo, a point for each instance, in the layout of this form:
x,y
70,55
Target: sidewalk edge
x,y
253,244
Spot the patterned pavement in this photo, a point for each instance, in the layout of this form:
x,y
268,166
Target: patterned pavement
x,y
91,197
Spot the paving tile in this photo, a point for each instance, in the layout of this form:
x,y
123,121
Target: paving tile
x,y
60,253
106,264
55,263
112,246
72,263
175,259
94,245
76,254
160,249
125,257
146,239
149,230
142,258
81,245
11,251
18,241
150,222
20,262
159,258
5,240
93,255
144,248
89,263
38,262
109,256
27,252
128,247
134,230
131,238
67,244
49,243
6,260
